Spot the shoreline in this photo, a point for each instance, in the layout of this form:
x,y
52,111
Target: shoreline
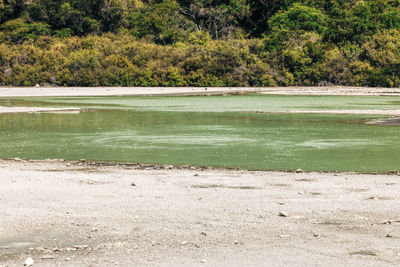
x,y
77,215
6,92
180,167
10,110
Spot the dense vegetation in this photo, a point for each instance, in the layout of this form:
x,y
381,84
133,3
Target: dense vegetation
x,y
200,42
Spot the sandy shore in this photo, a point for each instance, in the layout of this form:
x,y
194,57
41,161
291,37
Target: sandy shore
x,y
4,110
74,214
147,91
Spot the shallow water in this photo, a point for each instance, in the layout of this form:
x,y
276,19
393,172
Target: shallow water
x,y
216,131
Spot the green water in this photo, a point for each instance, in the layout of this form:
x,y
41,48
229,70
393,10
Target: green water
x,y
216,131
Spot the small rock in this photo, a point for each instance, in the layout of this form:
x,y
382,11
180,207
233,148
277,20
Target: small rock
x,y
203,233
316,235
82,160
282,214
37,85
284,236
29,262
203,261
183,242
196,174
71,249
47,257
80,246
133,184
235,242
389,236
67,259
299,171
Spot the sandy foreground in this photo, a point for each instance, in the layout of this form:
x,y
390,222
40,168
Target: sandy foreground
x,y
79,214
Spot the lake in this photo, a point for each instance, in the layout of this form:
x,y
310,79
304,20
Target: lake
x,y
221,131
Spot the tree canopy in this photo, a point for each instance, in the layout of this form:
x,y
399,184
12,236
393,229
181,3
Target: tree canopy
x,y
297,42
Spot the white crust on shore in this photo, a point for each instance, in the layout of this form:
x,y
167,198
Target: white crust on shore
x,y
148,91
5,110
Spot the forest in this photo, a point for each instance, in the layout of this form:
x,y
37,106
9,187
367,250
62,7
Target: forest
x,y
200,43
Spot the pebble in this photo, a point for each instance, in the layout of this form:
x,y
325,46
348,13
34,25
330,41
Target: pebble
x,y
299,171
203,261
203,233
47,257
284,236
183,242
67,259
133,184
29,262
80,246
282,214
235,242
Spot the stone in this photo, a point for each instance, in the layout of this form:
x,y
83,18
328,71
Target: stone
x,y
37,85
47,257
299,171
183,242
81,246
284,236
282,214
29,262
203,261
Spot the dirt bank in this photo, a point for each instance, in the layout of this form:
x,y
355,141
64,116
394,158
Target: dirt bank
x,y
148,91
75,214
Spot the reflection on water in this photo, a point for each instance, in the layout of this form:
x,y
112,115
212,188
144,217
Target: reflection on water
x,y
206,131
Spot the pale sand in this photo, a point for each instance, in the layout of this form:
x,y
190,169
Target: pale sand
x,y
195,217
122,91
36,109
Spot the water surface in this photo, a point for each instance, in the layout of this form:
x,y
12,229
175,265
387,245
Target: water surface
x,y
215,130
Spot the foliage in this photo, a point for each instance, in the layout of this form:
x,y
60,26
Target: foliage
x,y
200,42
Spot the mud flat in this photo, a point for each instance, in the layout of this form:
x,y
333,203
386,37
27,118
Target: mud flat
x,y
83,214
